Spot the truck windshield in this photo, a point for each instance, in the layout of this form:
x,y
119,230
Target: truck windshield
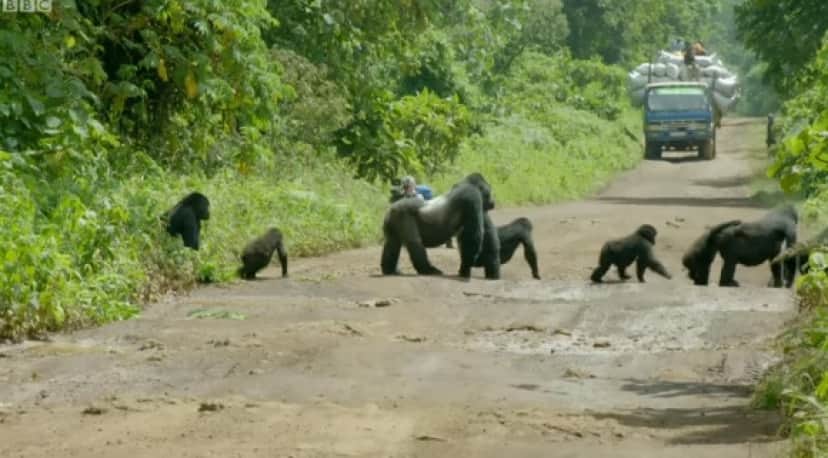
x,y
677,99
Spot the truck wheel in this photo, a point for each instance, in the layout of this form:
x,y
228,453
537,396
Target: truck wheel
x,y
707,150
652,150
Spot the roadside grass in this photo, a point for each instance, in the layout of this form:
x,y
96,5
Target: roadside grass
x,y
798,386
555,154
92,253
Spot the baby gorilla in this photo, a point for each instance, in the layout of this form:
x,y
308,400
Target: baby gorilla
x,y
638,247
511,236
257,254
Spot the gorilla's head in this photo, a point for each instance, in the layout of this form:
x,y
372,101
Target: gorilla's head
x,y
648,232
789,211
199,203
477,180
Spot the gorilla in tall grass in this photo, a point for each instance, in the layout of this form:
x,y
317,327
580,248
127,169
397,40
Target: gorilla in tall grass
x,y
185,218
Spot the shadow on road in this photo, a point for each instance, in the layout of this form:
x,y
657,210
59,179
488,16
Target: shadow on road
x,y
662,389
725,182
709,425
744,202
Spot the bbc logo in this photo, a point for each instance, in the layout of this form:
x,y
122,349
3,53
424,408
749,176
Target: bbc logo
x,y
26,6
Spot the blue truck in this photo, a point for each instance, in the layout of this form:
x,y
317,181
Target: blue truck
x,y
679,115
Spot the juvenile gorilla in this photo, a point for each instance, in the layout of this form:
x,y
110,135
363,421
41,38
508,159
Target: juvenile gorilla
x,y
185,218
510,236
418,225
637,247
753,243
257,254
701,254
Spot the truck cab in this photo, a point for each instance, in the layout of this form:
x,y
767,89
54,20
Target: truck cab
x,y
679,115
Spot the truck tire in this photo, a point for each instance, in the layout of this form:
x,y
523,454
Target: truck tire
x,y
652,150
707,150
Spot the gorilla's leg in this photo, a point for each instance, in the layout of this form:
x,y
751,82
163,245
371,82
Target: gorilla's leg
x,y
531,258
491,250
776,273
622,272
471,244
390,255
728,272
419,258
190,235
410,236
604,264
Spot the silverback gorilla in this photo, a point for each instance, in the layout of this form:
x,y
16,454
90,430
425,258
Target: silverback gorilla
x,y
637,247
510,236
749,244
418,225
185,218
257,254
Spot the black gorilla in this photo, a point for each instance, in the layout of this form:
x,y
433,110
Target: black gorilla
x,y
418,225
750,244
257,254
510,236
637,247
186,216
701,254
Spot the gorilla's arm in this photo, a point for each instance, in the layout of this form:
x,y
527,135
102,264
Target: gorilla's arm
x,y
647,260
471,236
187,224
283,259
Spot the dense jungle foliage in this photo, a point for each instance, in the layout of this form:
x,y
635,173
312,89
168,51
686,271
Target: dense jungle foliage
x,y
293,113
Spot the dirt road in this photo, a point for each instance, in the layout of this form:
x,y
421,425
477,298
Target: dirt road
x,y
323,366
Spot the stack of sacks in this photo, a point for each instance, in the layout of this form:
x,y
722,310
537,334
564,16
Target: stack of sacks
x,y
670,67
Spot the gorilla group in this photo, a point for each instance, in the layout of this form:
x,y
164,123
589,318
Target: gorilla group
x,y
417,224
185,218
749,244
636,247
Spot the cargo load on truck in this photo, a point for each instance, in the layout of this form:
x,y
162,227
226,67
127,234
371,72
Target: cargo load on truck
x,y
672,66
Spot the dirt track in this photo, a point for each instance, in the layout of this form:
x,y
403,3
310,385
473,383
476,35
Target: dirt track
x,y
518,367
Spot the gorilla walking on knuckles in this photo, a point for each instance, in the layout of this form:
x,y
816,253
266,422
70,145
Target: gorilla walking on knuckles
x,y
418,225
510,236
636,247
185,218
701,254
258,253
749,244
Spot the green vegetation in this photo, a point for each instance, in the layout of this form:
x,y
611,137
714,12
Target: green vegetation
x,y
111,111
799,69
287,113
